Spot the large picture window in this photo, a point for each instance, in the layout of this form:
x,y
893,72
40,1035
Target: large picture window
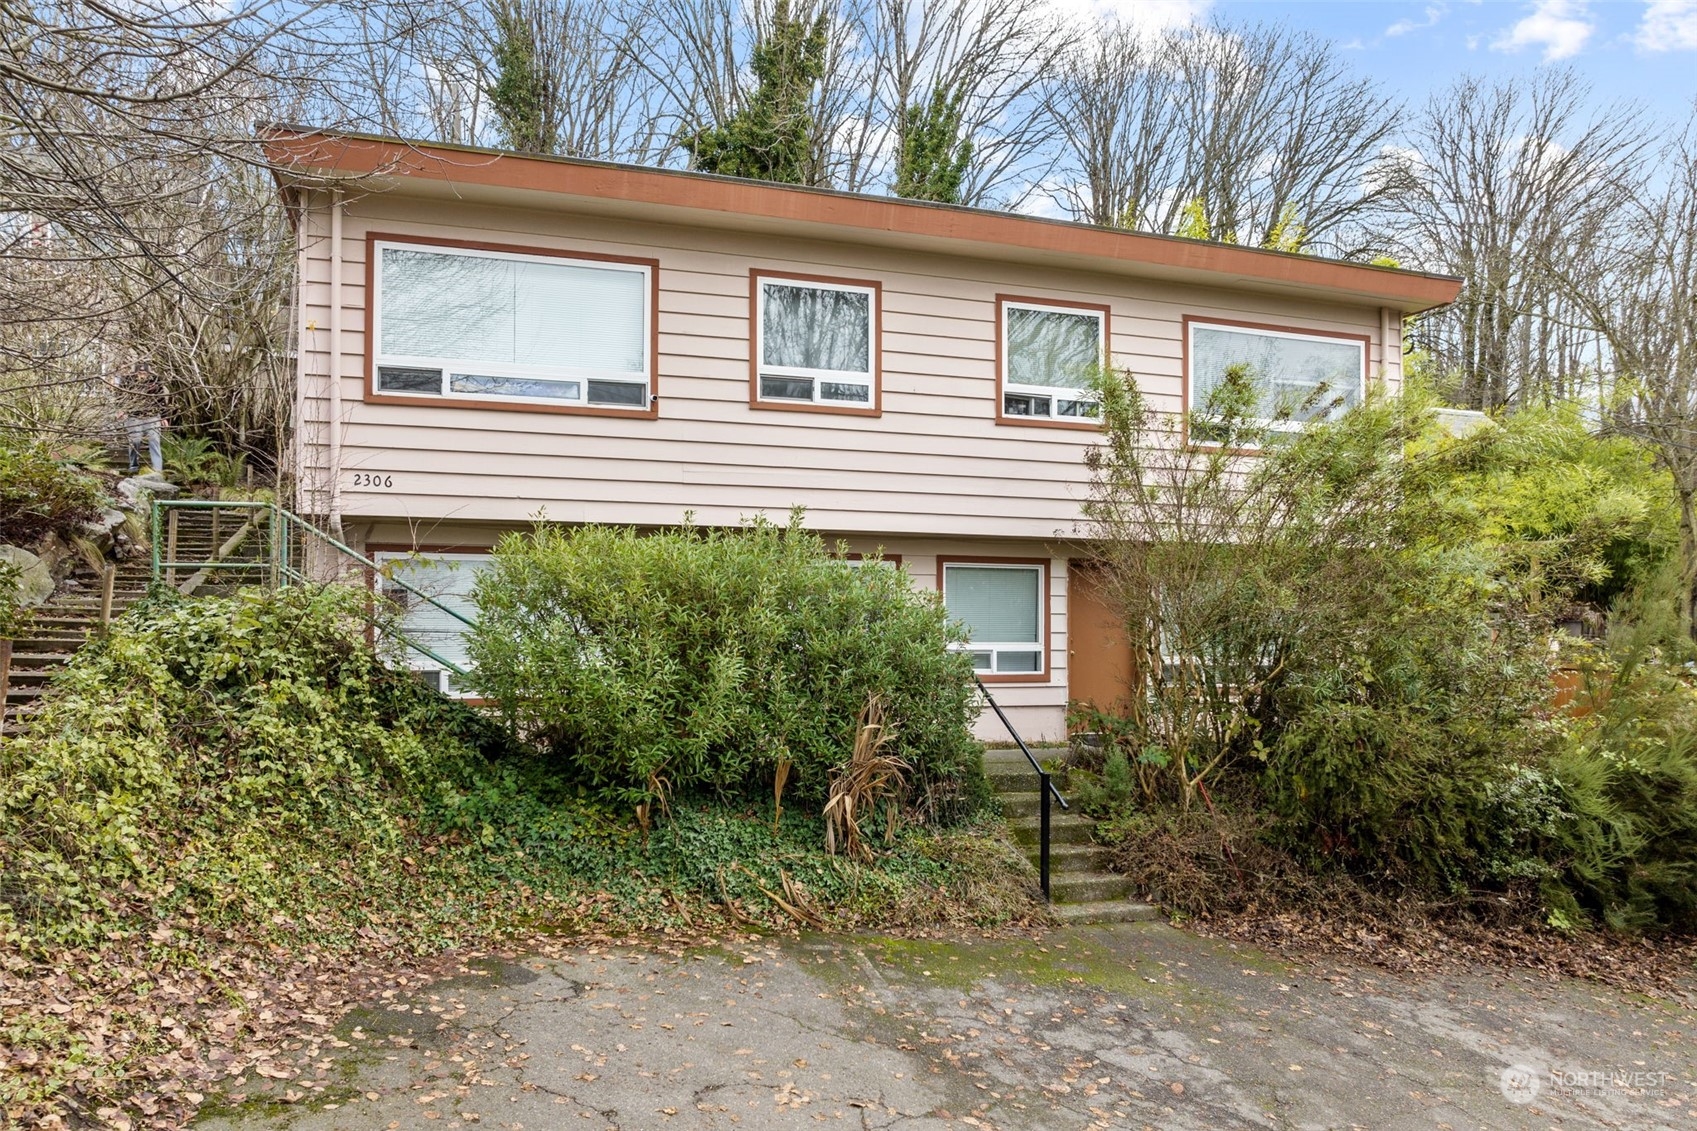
x,y
1002,605
444,577
1051,354
1300,376
816,344
465,324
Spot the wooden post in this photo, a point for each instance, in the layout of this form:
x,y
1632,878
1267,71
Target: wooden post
x,y
107,580
215,511
171,548
5,679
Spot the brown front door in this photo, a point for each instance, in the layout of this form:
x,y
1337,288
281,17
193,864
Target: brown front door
x,y
1099,668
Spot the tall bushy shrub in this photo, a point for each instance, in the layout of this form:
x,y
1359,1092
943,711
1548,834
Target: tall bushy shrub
x,y
1322,627
693,660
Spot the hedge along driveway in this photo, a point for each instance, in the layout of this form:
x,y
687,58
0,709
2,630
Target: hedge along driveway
x,y
1133,1025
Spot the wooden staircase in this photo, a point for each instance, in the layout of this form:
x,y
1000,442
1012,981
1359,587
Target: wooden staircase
x,y
1080,886
73,615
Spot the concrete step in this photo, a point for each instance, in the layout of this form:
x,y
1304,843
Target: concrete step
x,y
1072,859
1106,911
1026,804
1063,829
1090,887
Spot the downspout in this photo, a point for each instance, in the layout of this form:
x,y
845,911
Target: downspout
x,y
335,366
297,430
1385,324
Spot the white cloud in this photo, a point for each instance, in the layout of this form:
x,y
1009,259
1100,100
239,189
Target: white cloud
x,y
1560,27
1434,13
1668,25
1145,15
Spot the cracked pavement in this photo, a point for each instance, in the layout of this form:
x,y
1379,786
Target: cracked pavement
x,y
1137,1025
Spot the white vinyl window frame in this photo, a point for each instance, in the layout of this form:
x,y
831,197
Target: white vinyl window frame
x,y
987,654
1192,325
448,639
818,377
1085,402
561,372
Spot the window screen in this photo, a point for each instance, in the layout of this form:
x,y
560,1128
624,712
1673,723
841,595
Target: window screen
x,y
1288,368
1052,349
998,604
806,327
510,326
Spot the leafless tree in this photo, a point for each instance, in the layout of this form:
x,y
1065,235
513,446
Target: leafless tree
x,y
1257,135
1115,104
139,219
993,56
1641,291
1503,185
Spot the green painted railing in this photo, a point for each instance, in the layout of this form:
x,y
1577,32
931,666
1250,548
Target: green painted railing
x,y
282,559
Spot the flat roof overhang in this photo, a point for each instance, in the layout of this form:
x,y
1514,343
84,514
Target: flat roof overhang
x,y
306,158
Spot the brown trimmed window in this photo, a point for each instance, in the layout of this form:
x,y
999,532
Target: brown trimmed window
x,y
815,343
503,326
1050,354
1004,606
1301,375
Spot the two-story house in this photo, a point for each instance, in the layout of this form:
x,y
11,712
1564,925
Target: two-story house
x,y
488,338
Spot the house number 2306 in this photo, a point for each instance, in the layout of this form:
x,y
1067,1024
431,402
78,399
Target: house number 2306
x,y
372,479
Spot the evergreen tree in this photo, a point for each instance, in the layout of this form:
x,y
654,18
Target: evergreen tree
x,y
772,137
934,157
521,93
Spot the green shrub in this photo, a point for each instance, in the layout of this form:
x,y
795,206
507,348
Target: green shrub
x,y
1624,850
13,618
195,461
239,757
41,495
690,661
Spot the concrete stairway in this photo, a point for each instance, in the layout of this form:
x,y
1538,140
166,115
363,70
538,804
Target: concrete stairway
x,y
1082,888
68,619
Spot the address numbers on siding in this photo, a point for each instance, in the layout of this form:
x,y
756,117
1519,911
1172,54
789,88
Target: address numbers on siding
x,y
372,479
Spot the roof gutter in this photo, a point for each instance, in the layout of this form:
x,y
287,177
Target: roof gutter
x,y
314,156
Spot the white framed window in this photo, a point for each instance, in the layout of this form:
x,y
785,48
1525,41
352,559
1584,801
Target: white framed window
x,y
1051,354
815,343
1303,375
1002,605
447,578
469,324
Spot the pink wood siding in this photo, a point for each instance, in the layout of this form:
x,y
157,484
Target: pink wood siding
x,y
936,462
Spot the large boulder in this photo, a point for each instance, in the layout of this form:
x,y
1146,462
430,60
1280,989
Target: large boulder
x,y
130,490
35,583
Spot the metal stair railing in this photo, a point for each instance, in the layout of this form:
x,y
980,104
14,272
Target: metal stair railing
x,y
290,540
1045,787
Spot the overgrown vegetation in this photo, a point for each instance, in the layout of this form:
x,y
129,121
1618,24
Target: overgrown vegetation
x,y
224,784
196,462
1345,649
692,663
41,494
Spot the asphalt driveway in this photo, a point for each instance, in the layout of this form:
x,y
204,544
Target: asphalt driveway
x,y
1139,1025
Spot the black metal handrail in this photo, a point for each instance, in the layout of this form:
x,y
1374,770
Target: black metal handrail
x,y
1045,787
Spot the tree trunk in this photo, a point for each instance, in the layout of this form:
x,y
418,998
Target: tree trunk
x,y
1688,560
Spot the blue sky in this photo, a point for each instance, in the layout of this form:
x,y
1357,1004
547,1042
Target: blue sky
x,y
1628,49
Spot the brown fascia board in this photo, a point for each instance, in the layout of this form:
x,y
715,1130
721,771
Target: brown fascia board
x,y
305,157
